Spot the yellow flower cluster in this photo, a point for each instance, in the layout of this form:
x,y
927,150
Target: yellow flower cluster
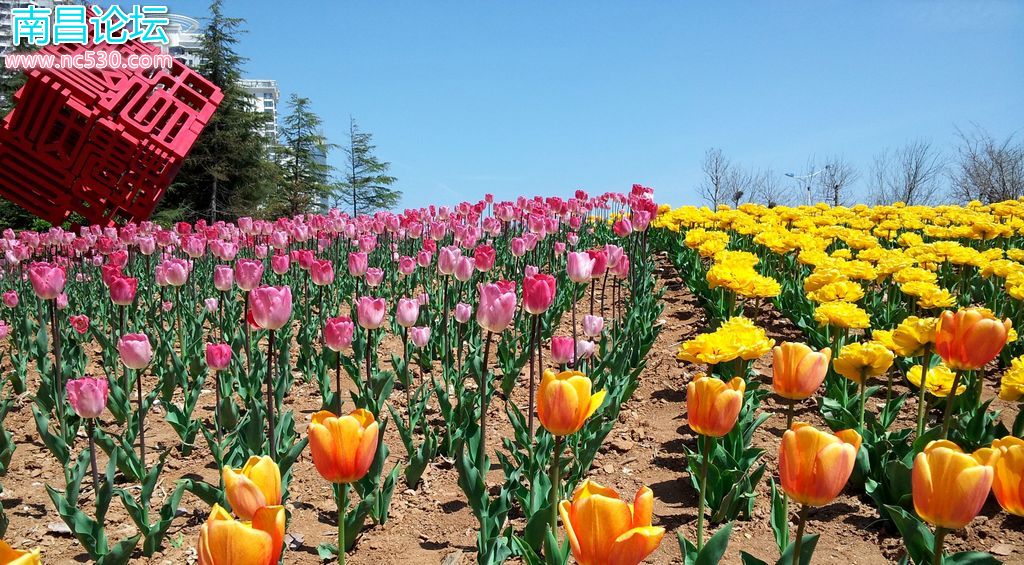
x,y
737,338
734,271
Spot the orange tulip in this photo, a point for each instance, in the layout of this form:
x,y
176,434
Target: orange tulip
x,y
564,401
712,405
1008,471
605,530
971,338
813,465
11,556
343,448
798,370
226,541
950,486
252,487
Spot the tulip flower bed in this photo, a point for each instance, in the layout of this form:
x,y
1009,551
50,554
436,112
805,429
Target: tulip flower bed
x,y
259,392
898,377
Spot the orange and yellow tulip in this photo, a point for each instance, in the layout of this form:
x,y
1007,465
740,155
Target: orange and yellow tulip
x,y
971,338
565,401
798,370
1008,474
814,465
712,405
11,556
252,487
950,486
226,541
605,530
343,448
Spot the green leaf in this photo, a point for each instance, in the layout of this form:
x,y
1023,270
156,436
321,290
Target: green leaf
x,y
780,517
917,537
806,551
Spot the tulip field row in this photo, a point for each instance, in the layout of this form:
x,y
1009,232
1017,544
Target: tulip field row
x,y
502,342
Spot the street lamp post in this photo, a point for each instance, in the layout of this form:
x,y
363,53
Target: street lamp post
x,y
807,178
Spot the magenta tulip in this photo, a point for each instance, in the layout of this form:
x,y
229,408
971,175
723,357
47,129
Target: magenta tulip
x,y
562,348
218,356
11,299
338,333
122,290
538,293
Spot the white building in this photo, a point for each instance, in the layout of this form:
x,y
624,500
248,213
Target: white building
x,y
184,37
264,97
6,15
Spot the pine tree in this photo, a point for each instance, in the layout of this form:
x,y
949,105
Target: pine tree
x,y
367,185
228,172
303,159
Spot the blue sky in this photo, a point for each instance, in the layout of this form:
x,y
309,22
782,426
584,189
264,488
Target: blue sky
x,y
542,97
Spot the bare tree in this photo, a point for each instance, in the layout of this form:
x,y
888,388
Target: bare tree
x,y
769,190
740,185
835,180
910,174
988,170
716,166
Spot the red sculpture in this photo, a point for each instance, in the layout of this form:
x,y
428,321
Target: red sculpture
x,y
104,144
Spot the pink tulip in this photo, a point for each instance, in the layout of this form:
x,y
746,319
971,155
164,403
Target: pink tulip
x,y
561,350
80,323
61,301
447,258
600,262
271,306
370,312
11,299
559,248
614,253
621,269
321,271
279,264
5,330
420,336
218,356
518,246
167,305
88,396
176,271
374,277
538,293
497,306
338,333
593,325
585,349
623,227
464,268
211,304
223,277
579,266
463,312
357,264
423,258
47,280
135,350
407,312
423,299
483,257
406,266
147,245
122,290
248,273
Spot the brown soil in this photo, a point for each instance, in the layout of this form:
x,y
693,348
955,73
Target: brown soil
x,y
434,523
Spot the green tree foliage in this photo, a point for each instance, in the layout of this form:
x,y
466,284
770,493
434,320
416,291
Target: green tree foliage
x,y
303,160
228,172
367,185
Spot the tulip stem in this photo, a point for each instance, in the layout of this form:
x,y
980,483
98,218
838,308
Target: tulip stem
x,y
940,539
800,533
948,416
556,483
58,389
92,457
863,404
709,445
142,420
921,402
268,380
342,510
481,453
337,384
534,346
574,342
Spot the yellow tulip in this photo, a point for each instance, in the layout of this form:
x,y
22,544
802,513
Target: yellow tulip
x,y
939,382
950,486
11,556
1011,387
252,487
226,541
605,530
858,361
564,401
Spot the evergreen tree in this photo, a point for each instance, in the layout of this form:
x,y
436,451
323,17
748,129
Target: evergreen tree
x,y
367,185
303,160
228,172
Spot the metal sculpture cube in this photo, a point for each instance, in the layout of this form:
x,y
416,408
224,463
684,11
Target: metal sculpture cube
x,y
104,144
